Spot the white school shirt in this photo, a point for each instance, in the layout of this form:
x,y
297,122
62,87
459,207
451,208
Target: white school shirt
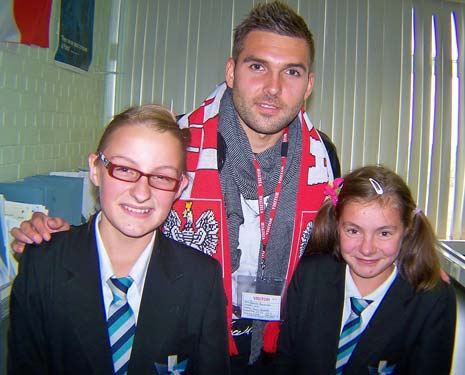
x,y
249,242
138,273
376,296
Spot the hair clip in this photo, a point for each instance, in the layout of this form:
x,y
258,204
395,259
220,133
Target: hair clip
x,y
333,189
376,185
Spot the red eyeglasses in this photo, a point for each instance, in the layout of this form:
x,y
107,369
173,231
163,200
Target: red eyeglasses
x,y
123,173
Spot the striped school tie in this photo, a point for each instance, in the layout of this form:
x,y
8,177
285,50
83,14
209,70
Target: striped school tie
x,y
350,333
121,324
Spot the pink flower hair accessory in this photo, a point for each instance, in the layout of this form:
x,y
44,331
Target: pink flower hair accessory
x,y
333,189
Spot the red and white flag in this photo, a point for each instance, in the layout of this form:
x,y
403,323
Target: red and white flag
x,y
25,21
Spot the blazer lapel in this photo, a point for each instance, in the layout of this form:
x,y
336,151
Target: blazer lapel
x,y
159,308
386,320
85,301
329,310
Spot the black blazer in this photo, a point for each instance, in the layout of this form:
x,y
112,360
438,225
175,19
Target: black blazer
x,y
413,331
58,320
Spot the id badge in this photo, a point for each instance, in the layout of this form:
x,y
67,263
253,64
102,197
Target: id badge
x,y
258,299
261,306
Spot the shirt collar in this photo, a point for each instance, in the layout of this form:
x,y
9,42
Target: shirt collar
x,y
138,271
377,294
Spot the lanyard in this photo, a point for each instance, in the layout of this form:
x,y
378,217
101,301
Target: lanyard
x,y
265,230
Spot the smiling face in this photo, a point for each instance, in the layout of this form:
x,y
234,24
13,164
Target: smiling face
x,y
270,81
133,210
370,236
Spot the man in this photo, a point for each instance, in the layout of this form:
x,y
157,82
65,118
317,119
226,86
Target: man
x,y
257,171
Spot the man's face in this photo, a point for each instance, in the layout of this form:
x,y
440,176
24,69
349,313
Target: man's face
x,y
270,81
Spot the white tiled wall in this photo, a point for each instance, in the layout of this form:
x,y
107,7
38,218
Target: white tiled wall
x,y
50,118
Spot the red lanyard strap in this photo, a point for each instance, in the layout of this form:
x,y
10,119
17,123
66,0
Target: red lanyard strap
x,y
265,229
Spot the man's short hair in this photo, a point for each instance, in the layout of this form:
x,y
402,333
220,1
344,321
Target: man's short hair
x,y
275,17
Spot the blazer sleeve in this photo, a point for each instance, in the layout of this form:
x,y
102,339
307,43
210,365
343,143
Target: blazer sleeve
x,y
433,354
213,342
26,336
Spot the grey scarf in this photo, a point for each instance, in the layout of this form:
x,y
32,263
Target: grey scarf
x,y
238,177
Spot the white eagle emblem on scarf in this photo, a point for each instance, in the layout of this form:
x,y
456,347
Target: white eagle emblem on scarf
x,y
305,237
202,236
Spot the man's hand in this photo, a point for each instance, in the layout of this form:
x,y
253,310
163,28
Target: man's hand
x,y
35,230
445,277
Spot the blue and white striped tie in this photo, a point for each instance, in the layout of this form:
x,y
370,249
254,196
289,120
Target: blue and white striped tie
x,y
121,324
350,333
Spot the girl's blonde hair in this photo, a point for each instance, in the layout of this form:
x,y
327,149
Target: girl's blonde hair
x,y
151,116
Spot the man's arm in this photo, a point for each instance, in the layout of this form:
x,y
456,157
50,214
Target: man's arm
x,y
36,230
332,153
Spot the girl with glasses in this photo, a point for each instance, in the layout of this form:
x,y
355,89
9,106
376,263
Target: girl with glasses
x,y
114,295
